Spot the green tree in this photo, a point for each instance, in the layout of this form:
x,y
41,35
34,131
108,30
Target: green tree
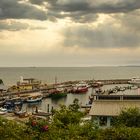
x,y
129,117
119,133
11,130
75,106
66,125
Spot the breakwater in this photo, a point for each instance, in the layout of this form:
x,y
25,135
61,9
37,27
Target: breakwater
x,y
65,84
111,81
104,81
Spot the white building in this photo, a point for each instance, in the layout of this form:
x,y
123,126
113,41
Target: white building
x,y
104,109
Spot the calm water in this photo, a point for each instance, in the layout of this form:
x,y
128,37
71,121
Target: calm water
x,y
11,75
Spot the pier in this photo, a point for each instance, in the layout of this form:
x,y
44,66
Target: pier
x,y
111,81
4,95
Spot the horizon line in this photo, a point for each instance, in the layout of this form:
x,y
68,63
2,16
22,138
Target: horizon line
x,y
68,66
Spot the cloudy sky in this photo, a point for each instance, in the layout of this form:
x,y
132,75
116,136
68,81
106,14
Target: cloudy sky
x,y
69,32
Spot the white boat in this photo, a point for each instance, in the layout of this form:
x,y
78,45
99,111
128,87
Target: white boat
x,y
3,111
135,81
35,97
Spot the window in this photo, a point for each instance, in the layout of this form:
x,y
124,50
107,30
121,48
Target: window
x,y
103,121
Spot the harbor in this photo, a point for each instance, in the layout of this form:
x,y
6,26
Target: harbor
x,y
29,86
69,70
32,97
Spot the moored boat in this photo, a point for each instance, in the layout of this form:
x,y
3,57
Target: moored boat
x,y
26,84
96,84
35,97
21,113
10,104
3,111
58,95
81,87
57,92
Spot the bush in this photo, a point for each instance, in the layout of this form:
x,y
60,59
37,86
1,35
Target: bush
x,y
129,117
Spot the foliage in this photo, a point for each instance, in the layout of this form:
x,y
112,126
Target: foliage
x,y
129,117
75,106
11,130
119,133
67,124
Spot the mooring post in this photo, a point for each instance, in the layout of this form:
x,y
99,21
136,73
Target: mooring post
x,y
48,108
52,109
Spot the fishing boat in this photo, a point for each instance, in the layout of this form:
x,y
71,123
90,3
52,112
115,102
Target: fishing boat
x,y
26,84
96,84
57,92
10,104
21,113
58,95
35,97
81,87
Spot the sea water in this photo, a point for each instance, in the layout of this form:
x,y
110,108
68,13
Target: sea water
x,y
48,74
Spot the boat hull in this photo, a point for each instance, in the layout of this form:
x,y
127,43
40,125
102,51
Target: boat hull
x,y
34,100
57,95
81,90
2,113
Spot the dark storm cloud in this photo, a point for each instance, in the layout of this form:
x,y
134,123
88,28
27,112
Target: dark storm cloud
x,y
90,6
38,2
86,7
118,6
14,9
106,36
86,10
77,10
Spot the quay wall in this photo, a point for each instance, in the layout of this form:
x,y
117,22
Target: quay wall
x,y
105,82
114,81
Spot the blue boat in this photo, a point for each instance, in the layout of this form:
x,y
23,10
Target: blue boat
x,y
11,104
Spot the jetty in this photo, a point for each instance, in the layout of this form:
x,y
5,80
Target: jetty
x,y
44,87
111,81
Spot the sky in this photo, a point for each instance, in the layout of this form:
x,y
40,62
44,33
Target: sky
x,y
69,33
